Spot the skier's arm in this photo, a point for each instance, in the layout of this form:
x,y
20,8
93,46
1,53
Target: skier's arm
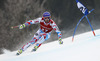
x,y
55,27
35,21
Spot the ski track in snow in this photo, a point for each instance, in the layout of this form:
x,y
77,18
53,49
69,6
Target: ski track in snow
x,y
85,47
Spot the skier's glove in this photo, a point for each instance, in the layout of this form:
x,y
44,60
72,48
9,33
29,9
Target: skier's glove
x,y
21,26
60,41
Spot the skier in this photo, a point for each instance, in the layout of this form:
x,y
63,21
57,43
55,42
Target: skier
x,y
46,27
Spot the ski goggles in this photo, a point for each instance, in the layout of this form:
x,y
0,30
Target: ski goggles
x,y
46,17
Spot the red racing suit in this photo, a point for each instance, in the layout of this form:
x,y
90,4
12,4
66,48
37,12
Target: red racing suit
x,y
45,27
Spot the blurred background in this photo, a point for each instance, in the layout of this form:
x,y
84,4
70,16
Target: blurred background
x,y
64,12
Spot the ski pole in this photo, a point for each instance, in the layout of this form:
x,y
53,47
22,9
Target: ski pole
x,y
14,27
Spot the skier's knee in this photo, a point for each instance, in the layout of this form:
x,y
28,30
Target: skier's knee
x,y
34,40
38,44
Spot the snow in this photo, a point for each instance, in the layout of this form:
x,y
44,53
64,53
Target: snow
x,y
86,47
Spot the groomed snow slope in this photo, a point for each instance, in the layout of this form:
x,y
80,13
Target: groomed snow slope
x,y
85,47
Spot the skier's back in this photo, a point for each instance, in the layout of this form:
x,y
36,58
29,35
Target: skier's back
x,y
46,27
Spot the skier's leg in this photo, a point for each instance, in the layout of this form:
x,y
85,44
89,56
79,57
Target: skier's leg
x,y
44,37
34,40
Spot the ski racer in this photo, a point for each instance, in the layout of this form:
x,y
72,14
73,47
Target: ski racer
x,y
44,32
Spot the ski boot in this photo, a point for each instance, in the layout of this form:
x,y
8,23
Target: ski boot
x,y
19,52
35,48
